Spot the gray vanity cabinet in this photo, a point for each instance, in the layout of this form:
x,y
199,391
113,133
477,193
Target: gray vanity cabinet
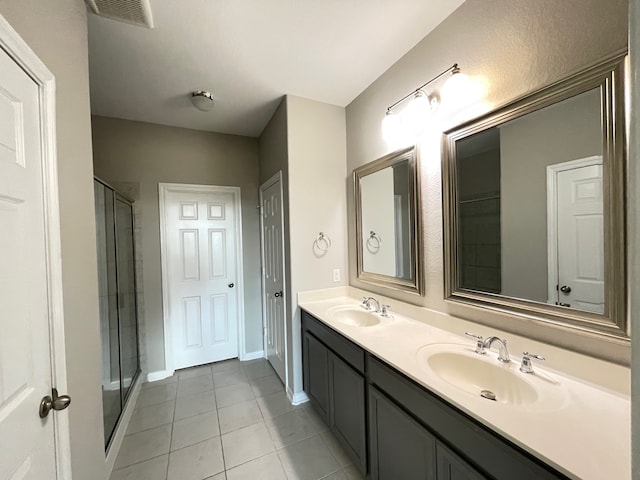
x,y
333,369
400,448
452,467
316,374
412,432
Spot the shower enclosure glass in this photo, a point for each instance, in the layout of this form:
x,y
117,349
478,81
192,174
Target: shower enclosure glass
x,y
117,290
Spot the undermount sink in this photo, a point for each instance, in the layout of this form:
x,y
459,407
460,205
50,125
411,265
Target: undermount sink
x,y
354,316
483,377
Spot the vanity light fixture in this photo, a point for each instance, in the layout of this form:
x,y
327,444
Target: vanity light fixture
x,y
418,110
202,100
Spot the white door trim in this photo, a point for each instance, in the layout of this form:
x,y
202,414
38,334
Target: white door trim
x,y
277,177
552,217
163,190
21,53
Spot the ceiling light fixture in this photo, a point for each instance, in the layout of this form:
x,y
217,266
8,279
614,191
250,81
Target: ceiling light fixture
x,y
202,100
419,109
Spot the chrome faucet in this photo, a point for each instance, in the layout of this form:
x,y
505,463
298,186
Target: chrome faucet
x,y
526,366
384,311
482,345
503,353
366,302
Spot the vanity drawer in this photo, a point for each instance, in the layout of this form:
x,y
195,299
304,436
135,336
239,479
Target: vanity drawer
x,y
482,448
347,350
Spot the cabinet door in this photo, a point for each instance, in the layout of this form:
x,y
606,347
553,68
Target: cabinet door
x,y
316,374
452,467
400,448
347,409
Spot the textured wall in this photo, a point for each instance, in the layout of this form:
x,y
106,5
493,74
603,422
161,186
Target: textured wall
x,y
56,30
317,172
146,154
508,47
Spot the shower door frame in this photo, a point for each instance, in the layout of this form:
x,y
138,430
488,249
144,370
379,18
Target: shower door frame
x,y
117,195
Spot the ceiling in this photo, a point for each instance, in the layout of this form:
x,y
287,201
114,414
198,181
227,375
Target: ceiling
x,y
249,53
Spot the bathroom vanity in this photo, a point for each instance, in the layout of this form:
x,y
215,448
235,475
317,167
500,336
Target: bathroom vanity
x,y
400,396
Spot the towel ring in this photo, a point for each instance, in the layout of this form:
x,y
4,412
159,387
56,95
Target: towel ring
x,y
322,242
374,241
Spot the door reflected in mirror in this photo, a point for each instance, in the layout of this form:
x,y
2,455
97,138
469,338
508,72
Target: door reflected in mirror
x,y
387,221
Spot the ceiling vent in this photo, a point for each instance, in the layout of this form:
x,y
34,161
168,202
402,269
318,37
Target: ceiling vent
x,y
135,12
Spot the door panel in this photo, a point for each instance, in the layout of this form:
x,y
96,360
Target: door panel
x,y
272,277
400,448
27,442
347,409
316,374
200,231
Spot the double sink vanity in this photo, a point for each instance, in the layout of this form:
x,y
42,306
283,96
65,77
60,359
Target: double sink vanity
x,y
533,259
410,400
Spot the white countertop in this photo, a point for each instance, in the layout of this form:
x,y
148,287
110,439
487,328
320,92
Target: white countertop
x,y
587,436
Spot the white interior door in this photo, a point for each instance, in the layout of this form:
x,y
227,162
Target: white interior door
x,y
273,274
200,229
27,445
580,236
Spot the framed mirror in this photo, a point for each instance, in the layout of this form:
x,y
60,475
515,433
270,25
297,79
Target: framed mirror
x,y
534,196
387,222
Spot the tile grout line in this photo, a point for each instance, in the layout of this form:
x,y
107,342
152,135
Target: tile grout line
x,y
215,398
173,419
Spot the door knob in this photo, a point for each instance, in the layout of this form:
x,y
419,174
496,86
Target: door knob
x,y
565,289
53,402
277,294
231,285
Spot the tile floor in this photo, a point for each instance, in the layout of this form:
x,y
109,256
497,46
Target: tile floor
x,y
227,421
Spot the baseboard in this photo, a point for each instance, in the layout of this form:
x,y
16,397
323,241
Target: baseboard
x,y
121,428
158,375
297,398
115,385
252,356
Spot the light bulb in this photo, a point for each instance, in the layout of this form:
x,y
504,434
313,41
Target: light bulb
x,y
416,116
391,127
456,89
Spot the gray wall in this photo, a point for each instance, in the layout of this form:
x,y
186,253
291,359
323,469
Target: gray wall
x,y
509,47
567,131
56,30
146,154
317,174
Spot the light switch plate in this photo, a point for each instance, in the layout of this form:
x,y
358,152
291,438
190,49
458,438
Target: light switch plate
x,y
336,274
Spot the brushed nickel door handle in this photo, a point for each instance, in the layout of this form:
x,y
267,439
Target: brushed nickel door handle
x,y
53,402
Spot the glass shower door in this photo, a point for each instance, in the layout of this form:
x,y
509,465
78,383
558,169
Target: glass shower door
x,y
118,308
126,294
107,285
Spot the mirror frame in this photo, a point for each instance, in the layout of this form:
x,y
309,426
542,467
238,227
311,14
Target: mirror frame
x,y
415,285
609,77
